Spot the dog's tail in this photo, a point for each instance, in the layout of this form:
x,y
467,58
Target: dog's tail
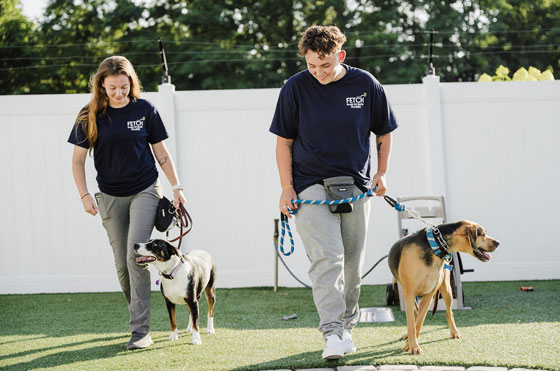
x,y
212,279
436,301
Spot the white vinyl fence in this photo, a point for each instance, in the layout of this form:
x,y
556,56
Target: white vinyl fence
x,y
490,148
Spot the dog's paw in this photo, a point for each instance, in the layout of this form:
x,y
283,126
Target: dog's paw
x,y
210,326
196,340
456,335
189,326
174,335
415,349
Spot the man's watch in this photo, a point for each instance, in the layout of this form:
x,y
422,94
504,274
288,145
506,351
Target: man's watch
x,y
177,187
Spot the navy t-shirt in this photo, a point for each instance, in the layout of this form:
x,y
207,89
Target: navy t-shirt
x,y
122,156
331,125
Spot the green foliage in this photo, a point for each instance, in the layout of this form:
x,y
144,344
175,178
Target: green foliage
x,y
16,31
532,74
226,44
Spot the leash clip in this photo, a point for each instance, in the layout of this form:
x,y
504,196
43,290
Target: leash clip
x,y
390,201
394,204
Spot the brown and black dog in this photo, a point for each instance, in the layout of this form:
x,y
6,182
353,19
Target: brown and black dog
x,y
421,273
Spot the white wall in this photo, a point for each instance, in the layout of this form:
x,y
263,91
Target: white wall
x,y
489,148
502,154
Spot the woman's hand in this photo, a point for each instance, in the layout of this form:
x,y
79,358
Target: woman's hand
x,y
179,198
89,204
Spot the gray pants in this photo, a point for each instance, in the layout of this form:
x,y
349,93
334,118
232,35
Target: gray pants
x,y
335,245
129,220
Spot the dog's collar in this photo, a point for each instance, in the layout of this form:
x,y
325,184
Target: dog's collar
x,y
437,243
171,274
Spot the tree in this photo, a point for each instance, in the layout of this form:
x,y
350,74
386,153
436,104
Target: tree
x,y
230,44
76,37
522,33
16,31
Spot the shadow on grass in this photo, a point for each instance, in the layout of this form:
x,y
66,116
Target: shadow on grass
x,y
366,355
22,340
63,357
46,349
314,360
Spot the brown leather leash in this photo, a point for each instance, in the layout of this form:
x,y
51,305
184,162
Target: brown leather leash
x,y
185,222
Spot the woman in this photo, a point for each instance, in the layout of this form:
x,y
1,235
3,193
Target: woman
x,y
119,127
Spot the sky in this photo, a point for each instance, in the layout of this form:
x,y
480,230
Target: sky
x,y
34,8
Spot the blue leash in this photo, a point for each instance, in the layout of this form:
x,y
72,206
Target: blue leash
x,y
432,232
286,225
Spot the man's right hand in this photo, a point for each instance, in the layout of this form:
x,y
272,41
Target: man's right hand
x,y
288,194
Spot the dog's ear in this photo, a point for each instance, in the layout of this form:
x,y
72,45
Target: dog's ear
x,y
471,234
171,250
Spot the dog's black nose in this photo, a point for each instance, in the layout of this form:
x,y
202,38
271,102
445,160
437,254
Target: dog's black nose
x,y
136,246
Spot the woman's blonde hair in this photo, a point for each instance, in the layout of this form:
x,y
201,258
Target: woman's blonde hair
x,y
87,117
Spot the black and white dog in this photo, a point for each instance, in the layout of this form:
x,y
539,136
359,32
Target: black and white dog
x,y
183,278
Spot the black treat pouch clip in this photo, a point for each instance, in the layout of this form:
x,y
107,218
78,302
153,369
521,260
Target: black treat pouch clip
x,y
339,188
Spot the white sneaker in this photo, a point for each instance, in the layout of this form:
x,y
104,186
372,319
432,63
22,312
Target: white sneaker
x,y
333,348
347,343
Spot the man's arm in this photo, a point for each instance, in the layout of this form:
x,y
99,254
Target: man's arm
x,y
383,145
284,163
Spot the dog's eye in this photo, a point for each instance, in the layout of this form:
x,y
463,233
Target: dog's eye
x,y
480,232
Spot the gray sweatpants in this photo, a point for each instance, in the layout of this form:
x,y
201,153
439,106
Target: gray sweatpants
x,y
129,220
335,245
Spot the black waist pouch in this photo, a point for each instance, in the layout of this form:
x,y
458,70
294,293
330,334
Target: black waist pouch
x,y
339,188
165,215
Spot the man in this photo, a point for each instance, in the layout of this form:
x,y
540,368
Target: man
x,y
323,120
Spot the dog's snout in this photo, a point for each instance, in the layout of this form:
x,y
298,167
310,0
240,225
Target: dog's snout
x,y
136,246
496,243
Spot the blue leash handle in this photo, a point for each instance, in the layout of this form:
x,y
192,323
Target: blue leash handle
x,y
333,202
285,225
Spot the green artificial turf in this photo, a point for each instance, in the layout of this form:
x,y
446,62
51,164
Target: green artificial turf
x,y
506,327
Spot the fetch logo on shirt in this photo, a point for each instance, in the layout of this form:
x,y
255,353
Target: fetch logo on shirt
x,y
356,102
136,125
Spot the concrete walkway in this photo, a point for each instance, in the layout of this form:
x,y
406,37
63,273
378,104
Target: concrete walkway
x,y
410,368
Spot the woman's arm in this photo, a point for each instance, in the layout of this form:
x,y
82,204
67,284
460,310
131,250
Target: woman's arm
x,y
79,173
166,163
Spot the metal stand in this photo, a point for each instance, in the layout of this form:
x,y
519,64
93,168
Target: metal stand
x,y
275,255
433,207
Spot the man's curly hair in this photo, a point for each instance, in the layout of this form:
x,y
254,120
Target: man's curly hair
x,y
323,40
